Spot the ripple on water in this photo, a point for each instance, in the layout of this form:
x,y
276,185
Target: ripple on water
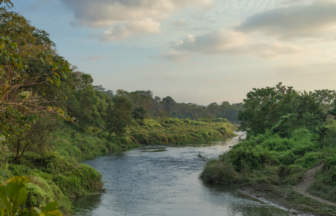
x,y
163,180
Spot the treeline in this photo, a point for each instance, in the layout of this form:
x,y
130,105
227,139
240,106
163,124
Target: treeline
x,y
97,109
167,106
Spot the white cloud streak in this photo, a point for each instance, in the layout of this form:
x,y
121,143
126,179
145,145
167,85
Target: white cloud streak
x,y
174,56
233,43
126,18
316,19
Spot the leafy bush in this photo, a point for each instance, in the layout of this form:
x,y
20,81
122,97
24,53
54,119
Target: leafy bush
x,y
267,158
13,195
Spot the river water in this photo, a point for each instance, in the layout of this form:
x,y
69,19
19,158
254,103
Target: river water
x,y
163,180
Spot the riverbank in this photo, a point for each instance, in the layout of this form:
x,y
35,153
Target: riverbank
x,y
286,196
58,175
274,167
150,182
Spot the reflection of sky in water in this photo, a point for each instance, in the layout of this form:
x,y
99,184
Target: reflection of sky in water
x,y
141,182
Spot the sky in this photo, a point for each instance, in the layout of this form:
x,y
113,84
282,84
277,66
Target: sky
x,y
198,51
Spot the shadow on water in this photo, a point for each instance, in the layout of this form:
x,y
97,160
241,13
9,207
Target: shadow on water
x,y
88,202
164,180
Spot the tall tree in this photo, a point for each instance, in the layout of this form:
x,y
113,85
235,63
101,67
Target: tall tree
x,y
27,59
168,104
118,116
140,113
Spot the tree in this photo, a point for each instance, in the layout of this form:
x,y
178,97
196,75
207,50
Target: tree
x,y
25,61
325,97
168,104
139,113
118,116
163,115
36,139
280,108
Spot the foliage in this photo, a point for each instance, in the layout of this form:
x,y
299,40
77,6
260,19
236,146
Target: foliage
x,y
176,131
163,115
157,107
287,135
13,195
27,59
139,113
281,109
24,63
119,116
37,138
266,158
3,152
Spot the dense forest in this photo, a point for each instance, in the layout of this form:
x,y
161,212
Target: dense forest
x,y
52,117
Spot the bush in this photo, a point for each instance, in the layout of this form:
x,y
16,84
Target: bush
x,y
267,158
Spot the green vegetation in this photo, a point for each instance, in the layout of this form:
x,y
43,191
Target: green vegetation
x,y
287,134
52,117
266,158
13,195
177,131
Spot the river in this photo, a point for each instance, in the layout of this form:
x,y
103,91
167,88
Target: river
x,y
163,180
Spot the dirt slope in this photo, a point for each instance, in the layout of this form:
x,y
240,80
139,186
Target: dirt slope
x,y
307,180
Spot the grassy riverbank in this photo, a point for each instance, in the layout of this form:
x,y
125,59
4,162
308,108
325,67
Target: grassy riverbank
x,y
57,174
272,165
176,131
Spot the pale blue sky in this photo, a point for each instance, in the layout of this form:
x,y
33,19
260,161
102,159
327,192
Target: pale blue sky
x,y
198,51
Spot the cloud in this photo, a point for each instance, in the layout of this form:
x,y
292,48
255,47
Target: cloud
x,y
95,58
174,56
233,43
212,43
267,50
128,29
125,18
297,21
293,2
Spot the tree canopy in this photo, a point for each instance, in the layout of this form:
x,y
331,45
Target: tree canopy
x,y
281,109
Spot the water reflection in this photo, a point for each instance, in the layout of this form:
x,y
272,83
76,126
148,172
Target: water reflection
x,y
150,181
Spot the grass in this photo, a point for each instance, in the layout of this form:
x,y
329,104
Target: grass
x,y
178,132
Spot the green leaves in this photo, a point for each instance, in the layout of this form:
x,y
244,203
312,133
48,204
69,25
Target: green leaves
x,y
119,115
281,109
57,82
51,209
13,196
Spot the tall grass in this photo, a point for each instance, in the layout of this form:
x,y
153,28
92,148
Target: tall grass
x,y
176,131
